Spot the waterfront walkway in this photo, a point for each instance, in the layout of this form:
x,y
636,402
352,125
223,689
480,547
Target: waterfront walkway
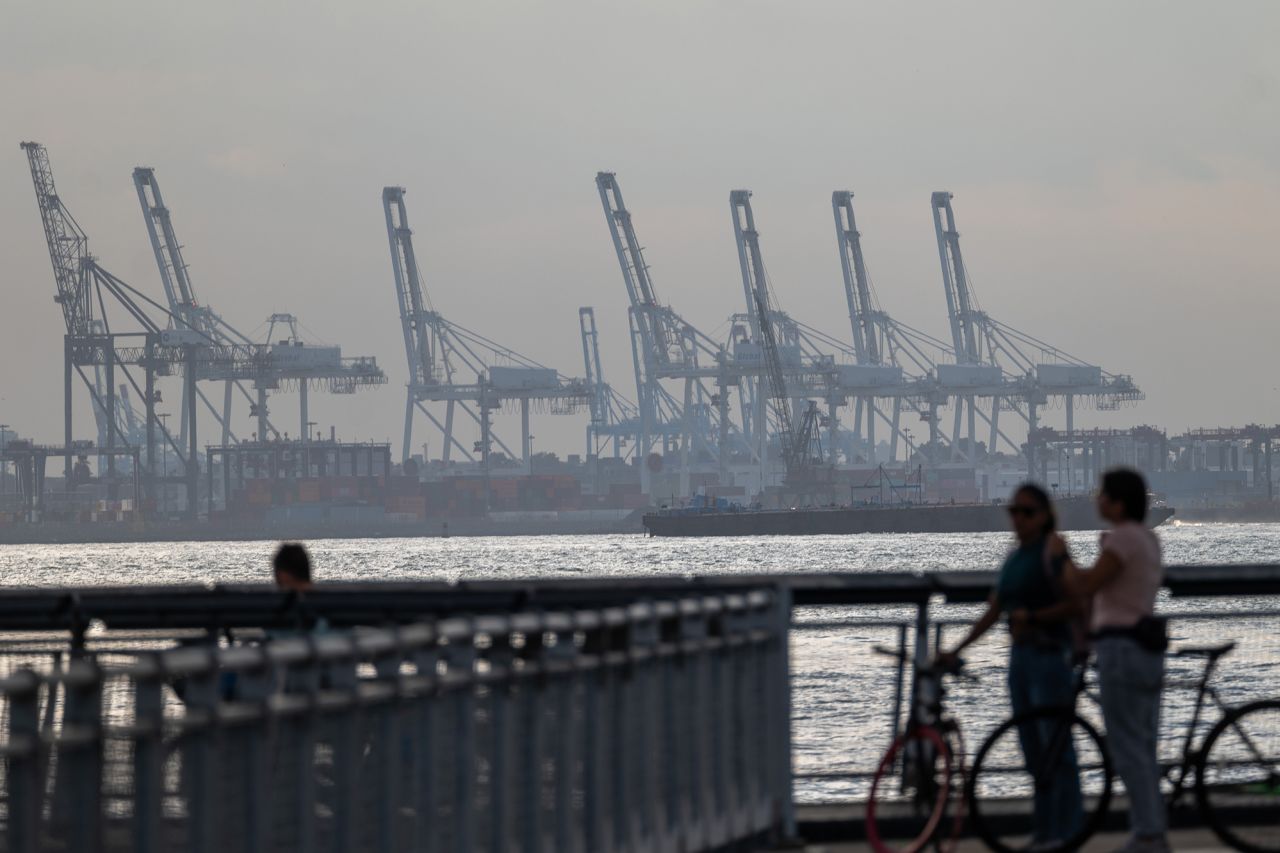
x,y
572,716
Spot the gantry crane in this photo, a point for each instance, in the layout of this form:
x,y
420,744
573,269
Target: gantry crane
x,y
990,353
665,346
443,356
801,448
153,340
289,361
895,360
804,353
84,291
615,420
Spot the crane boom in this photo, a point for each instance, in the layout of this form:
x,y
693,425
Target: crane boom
x,y
964,332
857,287
174,273
591,361
756,287
418,346
67,242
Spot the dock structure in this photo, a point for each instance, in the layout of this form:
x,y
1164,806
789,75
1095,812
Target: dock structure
x,y
558,715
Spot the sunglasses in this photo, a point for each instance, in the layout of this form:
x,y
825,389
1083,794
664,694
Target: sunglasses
x,y
1022,510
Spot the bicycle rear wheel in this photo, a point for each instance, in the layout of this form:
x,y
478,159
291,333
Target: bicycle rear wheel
x,y
910,793
1238,778
1002,785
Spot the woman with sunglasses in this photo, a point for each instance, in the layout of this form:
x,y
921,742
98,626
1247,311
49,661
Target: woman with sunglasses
x,y
1030,592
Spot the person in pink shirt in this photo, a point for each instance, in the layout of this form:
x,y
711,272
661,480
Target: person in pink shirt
x,y
1129,644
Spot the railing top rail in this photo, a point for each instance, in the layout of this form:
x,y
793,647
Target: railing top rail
x,y
348,604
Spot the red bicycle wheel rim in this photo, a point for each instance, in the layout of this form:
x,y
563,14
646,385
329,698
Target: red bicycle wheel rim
x,y
932,736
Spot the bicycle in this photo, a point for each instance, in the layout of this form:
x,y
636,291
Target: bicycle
x,y
1234,772
925,760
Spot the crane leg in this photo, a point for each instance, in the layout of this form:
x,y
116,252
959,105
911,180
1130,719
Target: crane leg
x,y
871,431
1071,441
448,433
304,413
956,439
526,440
762,434
995,425
973,430
723,439
66,410
833,429
858,432
686,437
893,435
408,429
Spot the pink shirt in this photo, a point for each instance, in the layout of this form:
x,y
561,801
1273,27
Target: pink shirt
x,y
1132,594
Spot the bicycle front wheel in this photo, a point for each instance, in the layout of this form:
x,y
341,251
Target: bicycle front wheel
x,y
1042,779
910,793
1238,778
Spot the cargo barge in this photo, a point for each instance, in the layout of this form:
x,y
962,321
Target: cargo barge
x,y
1073,514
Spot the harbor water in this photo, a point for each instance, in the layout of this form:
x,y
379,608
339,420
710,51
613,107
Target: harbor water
x,y
842,693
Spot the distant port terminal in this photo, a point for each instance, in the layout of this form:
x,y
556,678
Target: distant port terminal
x,y
175,423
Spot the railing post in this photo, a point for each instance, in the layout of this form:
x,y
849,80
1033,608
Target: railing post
x,y
532,694
780,688
564,678
619,729
921,655
25,779
201,757
643,745
500,683
80,753
422,776
148,755
461,657
594,834
387,750
253,725
348,749
899,684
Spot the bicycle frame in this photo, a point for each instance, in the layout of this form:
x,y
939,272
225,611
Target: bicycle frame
x,y
1180,773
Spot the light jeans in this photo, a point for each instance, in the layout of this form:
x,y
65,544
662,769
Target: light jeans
x,y
1130,678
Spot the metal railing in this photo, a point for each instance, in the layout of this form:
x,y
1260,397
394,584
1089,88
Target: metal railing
x,y
657,725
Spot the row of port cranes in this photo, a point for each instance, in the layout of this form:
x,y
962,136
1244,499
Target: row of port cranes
x,y
891,369
122,344
887,371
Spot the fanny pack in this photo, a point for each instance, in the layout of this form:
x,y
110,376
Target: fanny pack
x,y
1150,632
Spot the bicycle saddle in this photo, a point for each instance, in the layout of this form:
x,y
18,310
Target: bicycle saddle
x,y
1212,652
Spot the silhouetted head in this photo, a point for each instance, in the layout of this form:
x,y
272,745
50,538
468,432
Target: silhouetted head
x,y
1123,496
292,566
1031,511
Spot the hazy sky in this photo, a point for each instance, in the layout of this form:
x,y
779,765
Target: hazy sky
x,y
1116,168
